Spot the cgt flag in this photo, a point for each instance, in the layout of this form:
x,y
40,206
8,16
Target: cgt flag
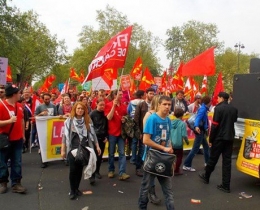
x,y
112,55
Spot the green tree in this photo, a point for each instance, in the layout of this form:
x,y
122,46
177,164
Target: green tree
x,y
111,22
31,50
227,63
191,39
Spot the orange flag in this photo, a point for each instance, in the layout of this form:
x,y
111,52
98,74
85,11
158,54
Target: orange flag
x,y
74,75
203,64
218,88
82,76
109,76
147,80
9,78
136,71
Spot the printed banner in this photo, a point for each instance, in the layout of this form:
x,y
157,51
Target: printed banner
x,y
125,82
3,69
158,82
249,154
50,131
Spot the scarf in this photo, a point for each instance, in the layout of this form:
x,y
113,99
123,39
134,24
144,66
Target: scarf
x,y
80,127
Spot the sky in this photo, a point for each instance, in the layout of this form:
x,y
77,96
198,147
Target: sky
x,y
237,20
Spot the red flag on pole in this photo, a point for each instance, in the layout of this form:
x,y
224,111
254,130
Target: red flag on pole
x,y
147,80
176,83
112,55
203,64
218,88
136,71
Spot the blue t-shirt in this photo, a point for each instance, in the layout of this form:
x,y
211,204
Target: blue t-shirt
x,y
158,128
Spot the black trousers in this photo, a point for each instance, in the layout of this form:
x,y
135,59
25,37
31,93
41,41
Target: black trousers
x,y
99,157
75,173
225,148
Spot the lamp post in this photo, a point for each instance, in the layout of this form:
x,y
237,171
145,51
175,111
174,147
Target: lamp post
x,y
239,46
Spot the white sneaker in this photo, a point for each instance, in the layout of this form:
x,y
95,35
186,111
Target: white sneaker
x,y
185,168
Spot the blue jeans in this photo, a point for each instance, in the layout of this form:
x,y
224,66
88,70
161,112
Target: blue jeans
x,y
139,156
113,141
166,184
199,139
134,149
14,152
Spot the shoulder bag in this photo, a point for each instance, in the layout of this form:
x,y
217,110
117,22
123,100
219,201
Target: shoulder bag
x,y
159,163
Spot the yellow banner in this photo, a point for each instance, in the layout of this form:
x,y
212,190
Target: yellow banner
x,y
249,154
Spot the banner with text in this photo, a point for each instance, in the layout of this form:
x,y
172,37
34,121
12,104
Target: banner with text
x,y
50,131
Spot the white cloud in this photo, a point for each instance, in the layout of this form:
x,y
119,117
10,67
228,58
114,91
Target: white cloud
x,y
236,20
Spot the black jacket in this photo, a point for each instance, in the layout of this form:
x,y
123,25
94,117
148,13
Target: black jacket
x,y
222,127
100,124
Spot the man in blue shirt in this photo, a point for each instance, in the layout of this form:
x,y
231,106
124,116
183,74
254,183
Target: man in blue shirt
x,y
157,136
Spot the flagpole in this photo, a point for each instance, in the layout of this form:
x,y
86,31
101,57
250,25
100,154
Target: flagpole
x,y
98,83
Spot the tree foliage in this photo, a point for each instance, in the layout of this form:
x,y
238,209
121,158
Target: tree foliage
x,y
31,50
111,22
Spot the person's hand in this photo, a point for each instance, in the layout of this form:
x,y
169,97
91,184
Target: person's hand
x,y
98,151
44,113
115,102
210,144
123,120
63,154
197,129
168,150
105,140
13,119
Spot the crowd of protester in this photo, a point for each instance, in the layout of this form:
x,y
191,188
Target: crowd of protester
x,y
103,115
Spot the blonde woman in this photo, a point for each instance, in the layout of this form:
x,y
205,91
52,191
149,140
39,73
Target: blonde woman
x,y
78,130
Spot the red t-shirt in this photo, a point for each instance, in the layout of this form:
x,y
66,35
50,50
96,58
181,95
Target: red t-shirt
x,y
17,130
114,125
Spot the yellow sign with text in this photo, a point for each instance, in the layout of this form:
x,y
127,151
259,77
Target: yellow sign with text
x,y
249,155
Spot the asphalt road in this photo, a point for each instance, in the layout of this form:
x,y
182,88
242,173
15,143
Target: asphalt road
x,y
48,190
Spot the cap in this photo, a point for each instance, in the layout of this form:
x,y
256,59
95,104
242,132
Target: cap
x,y
11,89
223,95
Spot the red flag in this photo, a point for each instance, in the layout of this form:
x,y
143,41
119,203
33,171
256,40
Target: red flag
x,y
74,75
125,82
132,87
203,64
176,83
81,77
164,81
35,102
204,86
109,76
136,71
112,55
47,83
147,80
9,78
218,88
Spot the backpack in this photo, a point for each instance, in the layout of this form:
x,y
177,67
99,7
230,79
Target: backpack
x,y
128,128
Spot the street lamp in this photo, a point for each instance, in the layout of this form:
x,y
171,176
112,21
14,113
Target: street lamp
x,y
239,46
